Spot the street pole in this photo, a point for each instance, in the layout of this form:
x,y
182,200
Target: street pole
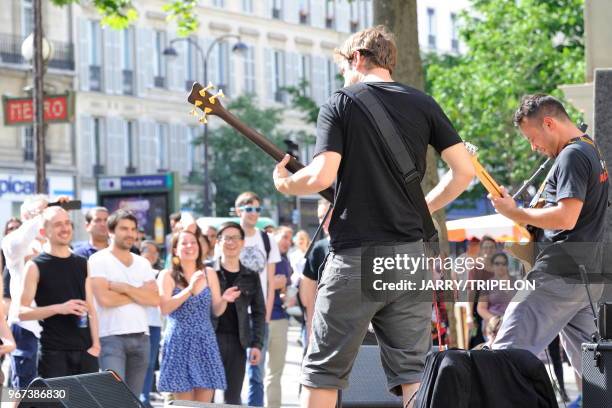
x,y
38,102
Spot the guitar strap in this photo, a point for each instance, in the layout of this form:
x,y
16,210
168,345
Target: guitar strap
x,y
583,138
401,157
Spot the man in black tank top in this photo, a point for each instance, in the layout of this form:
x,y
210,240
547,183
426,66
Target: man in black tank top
x,y
57,280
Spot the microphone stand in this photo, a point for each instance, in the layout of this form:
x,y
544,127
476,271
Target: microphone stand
x,y
527,182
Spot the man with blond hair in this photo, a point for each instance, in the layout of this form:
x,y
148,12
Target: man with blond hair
x,y
372,209
58,281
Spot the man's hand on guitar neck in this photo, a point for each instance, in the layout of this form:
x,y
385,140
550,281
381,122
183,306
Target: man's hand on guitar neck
x,y
505,205
563,216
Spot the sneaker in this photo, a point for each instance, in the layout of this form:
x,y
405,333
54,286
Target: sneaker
x,y
577,403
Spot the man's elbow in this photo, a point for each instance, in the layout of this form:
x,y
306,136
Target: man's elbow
x,y
322,181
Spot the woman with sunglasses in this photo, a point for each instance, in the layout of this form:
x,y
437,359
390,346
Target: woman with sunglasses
x,y
494,302
191,366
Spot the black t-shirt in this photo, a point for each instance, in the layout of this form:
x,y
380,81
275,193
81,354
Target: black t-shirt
x,y
228,321
371,203
579,173
61,279
316,259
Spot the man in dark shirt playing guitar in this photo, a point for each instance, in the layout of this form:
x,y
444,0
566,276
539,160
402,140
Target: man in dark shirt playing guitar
x,y
569,232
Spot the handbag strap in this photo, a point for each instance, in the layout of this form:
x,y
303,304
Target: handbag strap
x,y
401,157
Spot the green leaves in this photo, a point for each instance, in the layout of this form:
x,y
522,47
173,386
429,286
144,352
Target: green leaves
x,y
183,12
237,164
514,48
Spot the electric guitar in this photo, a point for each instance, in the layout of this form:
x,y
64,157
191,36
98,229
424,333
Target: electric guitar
x,y
210,104
524,250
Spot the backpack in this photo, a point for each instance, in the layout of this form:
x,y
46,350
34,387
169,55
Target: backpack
x,y
266,241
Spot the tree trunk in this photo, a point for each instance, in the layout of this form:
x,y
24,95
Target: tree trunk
x,y
400,17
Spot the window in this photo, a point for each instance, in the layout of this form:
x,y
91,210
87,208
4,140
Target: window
x,y
277,9
330,14
27,17
159,63
96,147
279,75
223,67
247,6
161,146
305,73
130,143
304,11
190,64
249,70
354,16
219,3
454,33
28,143
193,164
330,83
95,56
431,28
127,60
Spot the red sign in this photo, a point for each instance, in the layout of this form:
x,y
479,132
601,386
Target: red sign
x,y
20,111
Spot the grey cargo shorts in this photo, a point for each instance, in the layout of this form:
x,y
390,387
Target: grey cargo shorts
x,y
402,324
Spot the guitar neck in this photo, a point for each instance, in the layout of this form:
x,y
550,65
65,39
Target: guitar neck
x,y
270,148
486,179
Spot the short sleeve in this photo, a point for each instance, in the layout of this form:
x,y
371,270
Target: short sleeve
x,y
274,251
329,128
443,133
96,267
572,175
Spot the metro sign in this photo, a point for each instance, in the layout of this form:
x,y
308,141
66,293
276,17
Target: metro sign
x,y
20,111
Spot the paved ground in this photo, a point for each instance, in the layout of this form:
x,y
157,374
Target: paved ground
x,y
290,384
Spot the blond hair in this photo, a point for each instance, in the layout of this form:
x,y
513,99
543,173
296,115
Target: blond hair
x,y
375,43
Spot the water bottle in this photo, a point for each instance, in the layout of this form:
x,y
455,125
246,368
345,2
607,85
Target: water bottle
x,y
82,322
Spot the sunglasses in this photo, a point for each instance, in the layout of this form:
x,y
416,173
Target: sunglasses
x,y
500,264
231,238
250,209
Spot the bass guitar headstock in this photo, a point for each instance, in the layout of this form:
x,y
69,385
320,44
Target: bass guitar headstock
x,y
202,98
483,175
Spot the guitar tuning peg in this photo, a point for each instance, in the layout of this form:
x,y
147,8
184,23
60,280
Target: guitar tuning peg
x,y
202,119
193,112
198,102
207,111
207,88
213,98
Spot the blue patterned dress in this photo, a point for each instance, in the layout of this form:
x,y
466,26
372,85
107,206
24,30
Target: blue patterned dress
x,y
190,354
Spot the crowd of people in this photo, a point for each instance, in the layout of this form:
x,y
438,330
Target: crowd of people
x,y
207,308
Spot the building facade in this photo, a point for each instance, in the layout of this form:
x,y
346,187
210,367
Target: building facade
x,y
131,116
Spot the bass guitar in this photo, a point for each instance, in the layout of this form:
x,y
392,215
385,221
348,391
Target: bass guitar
x,y
210,104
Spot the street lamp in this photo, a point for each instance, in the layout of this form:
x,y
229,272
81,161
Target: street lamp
x,y
37,49
170,51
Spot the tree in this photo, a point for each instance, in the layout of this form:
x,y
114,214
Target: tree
x,y
238,165
400,17
514,48
119,13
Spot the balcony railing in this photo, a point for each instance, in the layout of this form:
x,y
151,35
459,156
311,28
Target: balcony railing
x,y
95,78
128,82
10,52
276,13
159,82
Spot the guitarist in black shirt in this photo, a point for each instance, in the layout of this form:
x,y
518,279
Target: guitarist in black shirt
x,y
569,232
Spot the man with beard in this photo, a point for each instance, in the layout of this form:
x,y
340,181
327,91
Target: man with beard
x,y
57,280
123,285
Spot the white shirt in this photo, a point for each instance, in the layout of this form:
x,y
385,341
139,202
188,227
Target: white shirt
x,y
253,256
298,261
153,313
126,319
16,246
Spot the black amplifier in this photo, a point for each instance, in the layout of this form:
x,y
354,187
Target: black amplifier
x,y
597,375
604,320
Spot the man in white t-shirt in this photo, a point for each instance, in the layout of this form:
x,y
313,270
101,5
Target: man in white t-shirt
x,y
260,253
123,285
